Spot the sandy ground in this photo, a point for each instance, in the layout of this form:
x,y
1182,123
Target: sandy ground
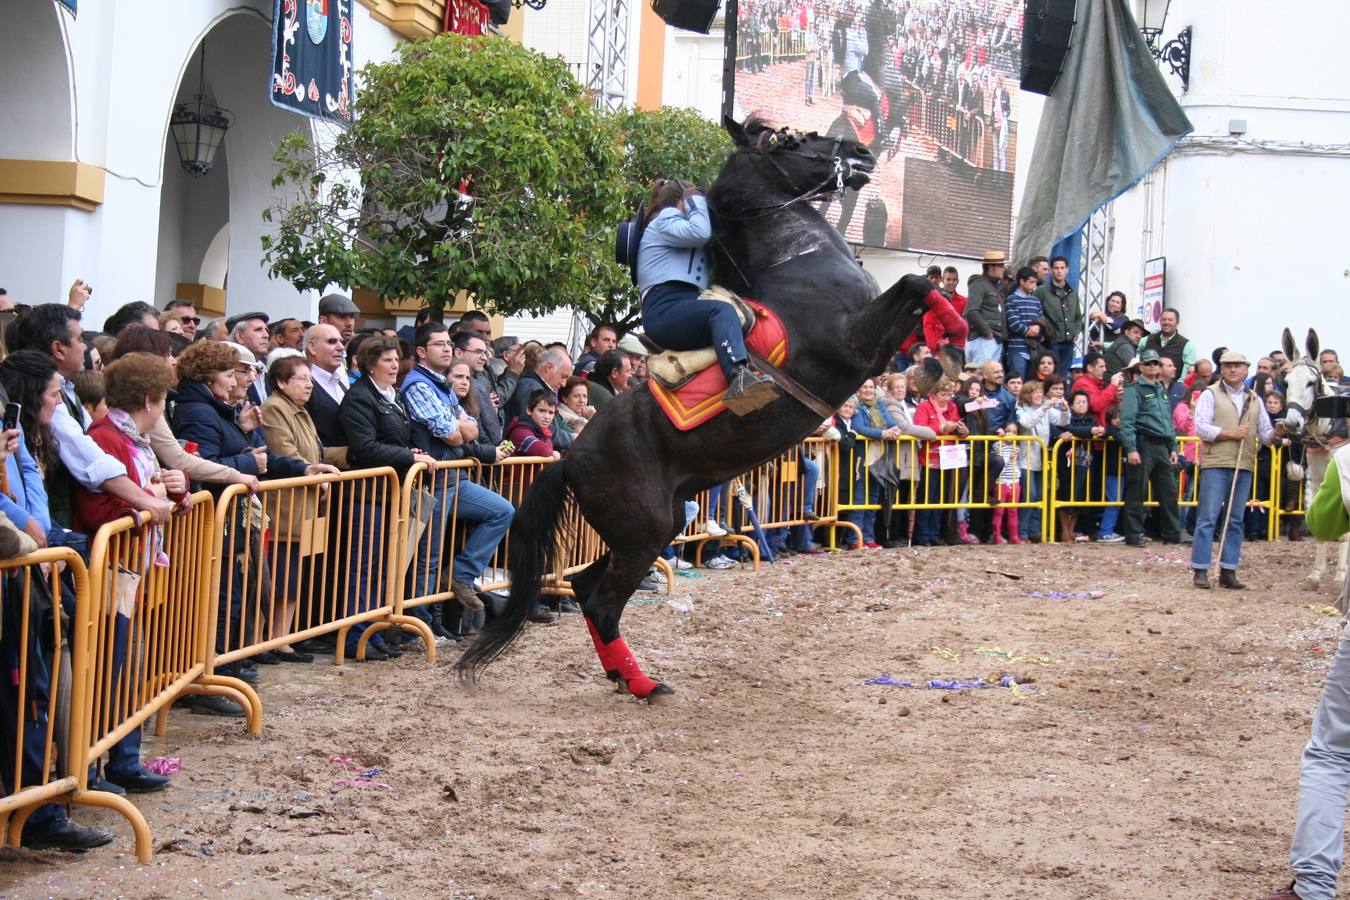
x,y
1158,756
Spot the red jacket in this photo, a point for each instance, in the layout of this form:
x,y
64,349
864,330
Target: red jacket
x,y
943,323
94,508
1100,396
928,415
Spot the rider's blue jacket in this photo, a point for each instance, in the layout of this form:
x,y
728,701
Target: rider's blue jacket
x,y
672,247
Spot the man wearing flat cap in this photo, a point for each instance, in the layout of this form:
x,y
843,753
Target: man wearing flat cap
x,y
340,312
1232,422
249,330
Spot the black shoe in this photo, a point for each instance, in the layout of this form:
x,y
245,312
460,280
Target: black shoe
x,y
389,649
266,658
295,656
66,836
374,653
209,705
142,782
103,784
1200,579
648,585
248,675
323,645
1136,540
747,391
439,630
1228,579
810,517
566,605
542,616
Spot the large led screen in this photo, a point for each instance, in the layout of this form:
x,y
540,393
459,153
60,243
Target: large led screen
x,y
929,85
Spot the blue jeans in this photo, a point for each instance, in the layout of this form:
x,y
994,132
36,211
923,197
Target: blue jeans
x,y
1214,487
866,519
1029,522
1019,358
491,515
675,318
1111,514
367,559
982,350
928,522
1064,351
810,477
124,757
1319,831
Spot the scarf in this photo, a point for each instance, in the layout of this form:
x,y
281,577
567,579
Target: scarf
x,y
873,413
147,465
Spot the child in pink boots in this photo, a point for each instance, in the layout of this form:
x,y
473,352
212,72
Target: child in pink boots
x,y
1008,485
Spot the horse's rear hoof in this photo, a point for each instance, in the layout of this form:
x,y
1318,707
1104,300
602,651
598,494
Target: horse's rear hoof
x,y
1311,584
661,695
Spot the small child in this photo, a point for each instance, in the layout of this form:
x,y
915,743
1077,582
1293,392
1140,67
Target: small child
x,y
89,391
1114,467
1009,485
533,436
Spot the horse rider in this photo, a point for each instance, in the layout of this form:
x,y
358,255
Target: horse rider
x,y
672,269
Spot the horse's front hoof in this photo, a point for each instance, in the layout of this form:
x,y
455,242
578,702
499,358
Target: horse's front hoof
x,y
661,695
1311,584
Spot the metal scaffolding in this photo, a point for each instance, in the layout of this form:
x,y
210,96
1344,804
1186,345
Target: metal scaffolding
x,y
607,54
1095,254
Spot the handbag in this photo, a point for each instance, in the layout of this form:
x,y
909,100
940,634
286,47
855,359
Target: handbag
x,y
1293,471
420,509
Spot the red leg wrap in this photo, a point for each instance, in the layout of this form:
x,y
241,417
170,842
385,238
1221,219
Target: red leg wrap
x,y
616,657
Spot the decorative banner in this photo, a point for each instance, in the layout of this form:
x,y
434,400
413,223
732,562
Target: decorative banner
x,y
312,58
466,17
1155,291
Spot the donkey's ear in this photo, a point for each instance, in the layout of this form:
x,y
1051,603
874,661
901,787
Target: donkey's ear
x,y
953,361
1313,344
739,137
1287,345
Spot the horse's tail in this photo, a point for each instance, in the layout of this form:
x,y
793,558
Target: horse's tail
x,y
533,542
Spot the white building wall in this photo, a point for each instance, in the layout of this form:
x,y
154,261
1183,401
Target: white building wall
x,y
1252,226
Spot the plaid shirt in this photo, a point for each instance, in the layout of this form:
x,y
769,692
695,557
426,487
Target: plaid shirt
x,y
439,418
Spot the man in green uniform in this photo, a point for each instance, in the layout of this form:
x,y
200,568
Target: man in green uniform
x,y
1150,445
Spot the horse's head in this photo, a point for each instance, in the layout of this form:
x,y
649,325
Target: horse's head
x,y
1303,383
805,164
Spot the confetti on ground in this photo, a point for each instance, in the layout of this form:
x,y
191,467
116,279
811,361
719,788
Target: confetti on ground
x,y
1064,595
1322,610
165,765
950,684
1014,656
945,653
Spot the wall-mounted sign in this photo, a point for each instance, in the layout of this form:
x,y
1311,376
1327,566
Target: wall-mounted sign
x,y
1155,292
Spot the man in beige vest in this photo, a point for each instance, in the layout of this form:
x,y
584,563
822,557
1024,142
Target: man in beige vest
x,y
1232,421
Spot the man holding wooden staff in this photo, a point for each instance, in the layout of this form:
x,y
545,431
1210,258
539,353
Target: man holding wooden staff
x,y
1231,421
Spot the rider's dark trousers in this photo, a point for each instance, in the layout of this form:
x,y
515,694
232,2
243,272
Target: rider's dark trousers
x,y
675,318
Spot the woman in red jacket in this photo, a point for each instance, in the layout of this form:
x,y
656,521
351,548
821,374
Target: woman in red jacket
x,y
136,386
939,413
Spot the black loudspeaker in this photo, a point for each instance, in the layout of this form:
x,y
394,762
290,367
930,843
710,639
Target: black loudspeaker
x,y
1047,32
691,15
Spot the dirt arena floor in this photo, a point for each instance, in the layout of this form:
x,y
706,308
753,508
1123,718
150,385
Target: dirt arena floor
x,y
1150,751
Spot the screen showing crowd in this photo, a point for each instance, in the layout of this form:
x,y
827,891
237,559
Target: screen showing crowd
x,y
930,86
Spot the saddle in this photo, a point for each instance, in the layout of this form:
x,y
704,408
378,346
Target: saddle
x,y
674,368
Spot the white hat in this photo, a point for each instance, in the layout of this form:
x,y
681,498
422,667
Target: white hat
x,y
245,354
281,353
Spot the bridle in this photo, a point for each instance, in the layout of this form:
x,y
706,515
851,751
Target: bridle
x,y
1305,412
831,186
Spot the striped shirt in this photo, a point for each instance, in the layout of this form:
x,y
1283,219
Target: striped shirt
x,y
1021,311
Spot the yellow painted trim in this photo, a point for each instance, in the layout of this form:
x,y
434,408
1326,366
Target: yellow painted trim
x,y
209,301
410,18
651,59
42,182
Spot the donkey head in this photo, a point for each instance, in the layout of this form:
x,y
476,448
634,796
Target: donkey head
x,y
1302,383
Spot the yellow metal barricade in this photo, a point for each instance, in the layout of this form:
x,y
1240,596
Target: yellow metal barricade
x,y
308,556
914,474
1082,486
424,519
141,638
510,478
42,687
1290,500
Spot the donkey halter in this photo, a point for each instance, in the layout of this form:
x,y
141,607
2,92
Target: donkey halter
x,y
1318,384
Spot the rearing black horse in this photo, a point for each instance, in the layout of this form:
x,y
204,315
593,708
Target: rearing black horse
x,y
630,470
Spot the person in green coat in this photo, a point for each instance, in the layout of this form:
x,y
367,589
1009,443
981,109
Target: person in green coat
x,y
1063,310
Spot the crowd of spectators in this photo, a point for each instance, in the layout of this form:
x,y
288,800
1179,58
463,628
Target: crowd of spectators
x,y
160,404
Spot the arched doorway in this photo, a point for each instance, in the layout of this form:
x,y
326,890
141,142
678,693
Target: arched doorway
x,y
216,218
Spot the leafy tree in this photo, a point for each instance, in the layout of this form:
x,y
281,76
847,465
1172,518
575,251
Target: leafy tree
x,y
471,164
665,143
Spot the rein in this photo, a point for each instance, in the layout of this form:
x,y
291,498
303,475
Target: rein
x,y
1308,436
832,185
